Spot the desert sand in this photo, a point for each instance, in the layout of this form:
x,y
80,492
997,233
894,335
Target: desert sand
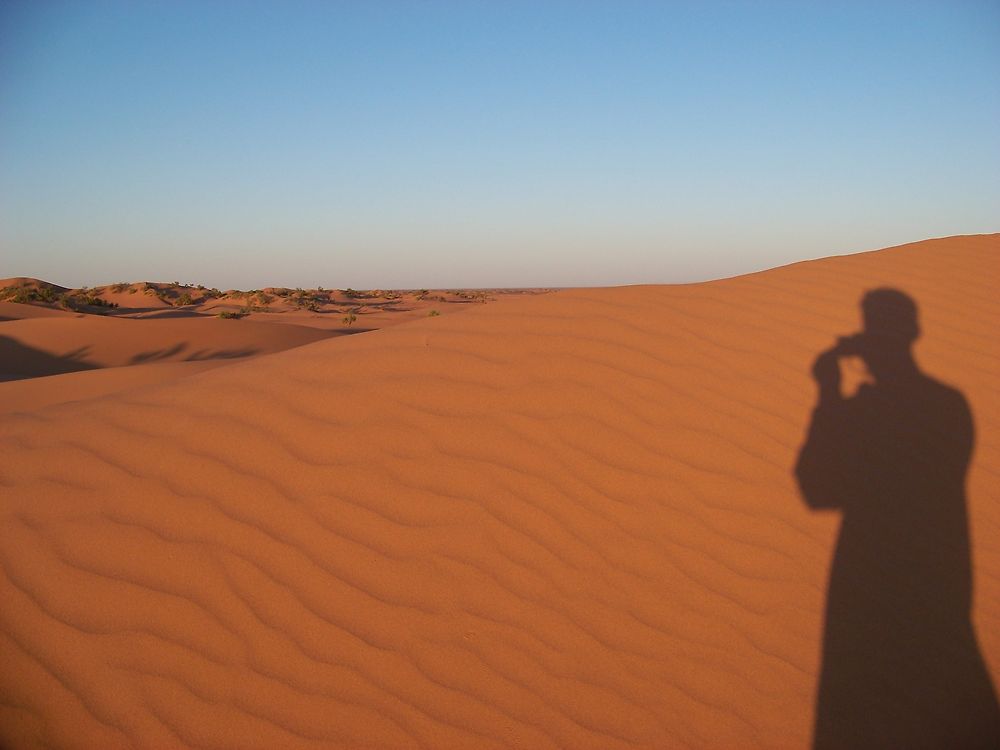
x,y
563,520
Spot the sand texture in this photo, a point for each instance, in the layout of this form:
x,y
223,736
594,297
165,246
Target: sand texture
x,y
570,520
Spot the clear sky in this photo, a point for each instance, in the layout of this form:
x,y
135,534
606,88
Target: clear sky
x,y
486,143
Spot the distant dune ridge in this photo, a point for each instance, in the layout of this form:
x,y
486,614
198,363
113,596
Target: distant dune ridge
x,y
570,520
108,339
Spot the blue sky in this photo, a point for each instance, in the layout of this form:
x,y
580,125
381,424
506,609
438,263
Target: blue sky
x,y
418,144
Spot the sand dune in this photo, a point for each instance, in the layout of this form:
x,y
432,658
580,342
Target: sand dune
x,y
14,311
40,346
26,395
332,309
570,520
53,356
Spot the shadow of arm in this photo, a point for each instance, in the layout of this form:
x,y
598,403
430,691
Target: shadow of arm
x,y
820,467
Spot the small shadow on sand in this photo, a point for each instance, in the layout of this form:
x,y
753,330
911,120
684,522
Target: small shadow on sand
x,y
901,663
171,352
155,313
157,354
204,354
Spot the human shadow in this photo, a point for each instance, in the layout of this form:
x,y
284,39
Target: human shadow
x,y
901,664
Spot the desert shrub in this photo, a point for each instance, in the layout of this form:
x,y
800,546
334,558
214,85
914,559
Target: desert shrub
x,y
21,295
433,314
76,300
184,299
230,315
24,295
120,287
350,318
95,301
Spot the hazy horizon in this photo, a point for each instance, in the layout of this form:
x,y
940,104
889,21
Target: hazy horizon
x,y
403,145
184,281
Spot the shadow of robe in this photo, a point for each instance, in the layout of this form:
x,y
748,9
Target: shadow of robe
x,y
901,665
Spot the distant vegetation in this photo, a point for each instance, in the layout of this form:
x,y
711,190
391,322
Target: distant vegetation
x,y
303,299
83,297
48,294
175,294
24,295
93,301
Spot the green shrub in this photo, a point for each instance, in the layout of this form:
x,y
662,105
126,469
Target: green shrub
x,y
95,301
433,314
25,295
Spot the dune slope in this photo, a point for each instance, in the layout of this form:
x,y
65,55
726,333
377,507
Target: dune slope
x,y
40,346
567,521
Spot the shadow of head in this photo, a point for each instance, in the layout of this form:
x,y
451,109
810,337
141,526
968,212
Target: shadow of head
x,y
890,326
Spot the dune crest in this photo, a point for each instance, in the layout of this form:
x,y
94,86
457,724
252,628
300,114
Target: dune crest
x,y
565,521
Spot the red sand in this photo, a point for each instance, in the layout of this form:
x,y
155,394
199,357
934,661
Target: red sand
x,y
569,520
